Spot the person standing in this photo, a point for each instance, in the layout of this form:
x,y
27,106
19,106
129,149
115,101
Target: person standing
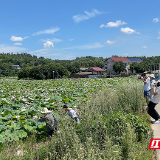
x,y
51,122
72,113
152,82
153,102
146,87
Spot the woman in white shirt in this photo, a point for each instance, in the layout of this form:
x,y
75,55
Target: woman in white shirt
x,y
72,113
153,102
152,82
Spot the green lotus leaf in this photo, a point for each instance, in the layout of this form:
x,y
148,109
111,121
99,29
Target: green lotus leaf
x,y
22,133
28,128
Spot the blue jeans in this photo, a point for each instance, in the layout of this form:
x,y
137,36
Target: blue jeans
x,y
147,94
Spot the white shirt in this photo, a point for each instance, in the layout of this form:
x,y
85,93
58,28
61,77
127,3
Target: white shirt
x,y
156,99
147,86
72,113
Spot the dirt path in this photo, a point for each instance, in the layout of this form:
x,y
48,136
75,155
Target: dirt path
x,y
156,130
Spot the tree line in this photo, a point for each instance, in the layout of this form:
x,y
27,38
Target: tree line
x,y
32,66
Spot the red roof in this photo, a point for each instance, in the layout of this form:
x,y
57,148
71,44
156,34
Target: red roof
x,y
97,69
119,59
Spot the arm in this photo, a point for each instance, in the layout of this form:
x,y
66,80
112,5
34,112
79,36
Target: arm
x,y
154,90
42,119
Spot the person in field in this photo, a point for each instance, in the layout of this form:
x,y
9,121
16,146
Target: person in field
x,y
152,82
72,113
155,99
146,87
51,121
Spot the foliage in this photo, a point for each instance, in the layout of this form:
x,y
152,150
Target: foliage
x,y
109,129
118,66
43,72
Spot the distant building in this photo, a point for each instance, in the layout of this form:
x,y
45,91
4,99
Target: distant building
x,y
16,66
108,64
96,70
91,72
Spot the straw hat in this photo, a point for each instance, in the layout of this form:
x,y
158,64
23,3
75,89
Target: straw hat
x,y
45,110
152,75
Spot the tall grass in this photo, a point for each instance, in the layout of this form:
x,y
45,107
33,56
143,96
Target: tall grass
x,y
114,126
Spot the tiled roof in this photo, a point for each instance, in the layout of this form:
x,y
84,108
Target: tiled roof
x,y
97,69
134,59
119,59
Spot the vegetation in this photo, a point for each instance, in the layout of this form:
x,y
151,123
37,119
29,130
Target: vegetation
x,y
43,72
114,123
26,60
118,66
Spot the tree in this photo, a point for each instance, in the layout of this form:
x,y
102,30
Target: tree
x,y
118,66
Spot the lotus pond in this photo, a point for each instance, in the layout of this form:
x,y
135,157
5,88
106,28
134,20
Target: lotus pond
x,y
21,101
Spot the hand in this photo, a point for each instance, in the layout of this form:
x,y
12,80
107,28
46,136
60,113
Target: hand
x,y
154,85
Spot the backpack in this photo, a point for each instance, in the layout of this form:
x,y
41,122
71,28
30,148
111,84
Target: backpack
x,y
51,122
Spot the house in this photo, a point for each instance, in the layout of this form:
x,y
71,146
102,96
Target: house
x,y
96,70
91,72
108,64
16,66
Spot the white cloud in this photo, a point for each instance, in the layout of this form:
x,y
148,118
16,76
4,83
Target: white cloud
x,y
47,31
125,54
113,24
155,20
48,44
13,38
96,45
81,17
17,44
128,30
144,47
14,49
109,42
71,39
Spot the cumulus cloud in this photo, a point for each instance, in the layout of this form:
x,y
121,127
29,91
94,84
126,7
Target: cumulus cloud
x,y
81,17
155,20
17,44
144,47
71,39
113,24
109,42
13,38
47,31
128,30
48,44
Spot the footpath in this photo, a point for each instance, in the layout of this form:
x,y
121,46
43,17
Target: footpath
x,y
156,130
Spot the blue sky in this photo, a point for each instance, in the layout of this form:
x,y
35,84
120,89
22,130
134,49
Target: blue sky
x,y
66,29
